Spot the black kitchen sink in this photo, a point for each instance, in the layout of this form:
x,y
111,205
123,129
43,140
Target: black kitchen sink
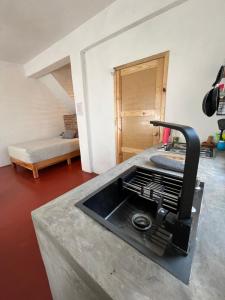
x,y
155,212
140,206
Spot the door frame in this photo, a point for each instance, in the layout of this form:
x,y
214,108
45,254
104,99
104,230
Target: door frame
x,y
117,94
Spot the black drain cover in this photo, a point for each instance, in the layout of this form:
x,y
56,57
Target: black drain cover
x,y
141,221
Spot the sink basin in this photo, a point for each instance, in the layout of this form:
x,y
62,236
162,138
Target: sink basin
x,y
114,208
131,212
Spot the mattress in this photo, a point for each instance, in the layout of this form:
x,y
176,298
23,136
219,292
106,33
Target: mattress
x,y
38,150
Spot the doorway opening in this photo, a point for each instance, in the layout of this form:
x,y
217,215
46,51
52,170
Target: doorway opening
x,y
140,94
66,138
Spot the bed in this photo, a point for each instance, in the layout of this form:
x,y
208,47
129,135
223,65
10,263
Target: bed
x,y
38,154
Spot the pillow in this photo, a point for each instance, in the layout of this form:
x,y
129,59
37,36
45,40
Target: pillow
x,y
68,134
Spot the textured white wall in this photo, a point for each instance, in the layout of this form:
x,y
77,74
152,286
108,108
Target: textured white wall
x,y
121,13
197,50
193,34
28,110
59,92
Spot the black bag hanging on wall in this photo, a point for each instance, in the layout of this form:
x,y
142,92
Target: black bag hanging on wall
x,y
211,100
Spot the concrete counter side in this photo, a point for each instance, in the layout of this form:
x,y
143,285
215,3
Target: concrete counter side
x,y
84,260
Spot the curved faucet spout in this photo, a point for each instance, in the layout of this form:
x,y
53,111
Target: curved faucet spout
x,y
190,167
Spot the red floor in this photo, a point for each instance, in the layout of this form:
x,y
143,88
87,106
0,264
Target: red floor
x,y
22,273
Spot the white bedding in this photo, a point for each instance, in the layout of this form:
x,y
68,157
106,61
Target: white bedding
x,y
38,150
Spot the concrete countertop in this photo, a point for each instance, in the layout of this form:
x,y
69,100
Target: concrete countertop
x,y
119,269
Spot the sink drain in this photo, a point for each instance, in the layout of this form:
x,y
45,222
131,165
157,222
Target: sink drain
x,y
141,221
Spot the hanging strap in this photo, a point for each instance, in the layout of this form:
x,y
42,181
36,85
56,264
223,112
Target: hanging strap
x,y
220,75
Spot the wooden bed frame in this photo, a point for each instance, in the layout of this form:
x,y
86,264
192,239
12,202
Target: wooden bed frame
x,y
34,167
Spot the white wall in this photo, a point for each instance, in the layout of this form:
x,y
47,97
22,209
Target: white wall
x,y
197,49
121,13
28,110
193,34
59,92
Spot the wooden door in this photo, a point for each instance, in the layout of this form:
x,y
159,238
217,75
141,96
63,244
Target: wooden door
x,y
139,99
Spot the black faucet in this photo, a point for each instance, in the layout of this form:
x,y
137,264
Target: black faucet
x,y
182,226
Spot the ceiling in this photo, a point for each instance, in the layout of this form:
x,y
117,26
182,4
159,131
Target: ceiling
x,y
28,27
